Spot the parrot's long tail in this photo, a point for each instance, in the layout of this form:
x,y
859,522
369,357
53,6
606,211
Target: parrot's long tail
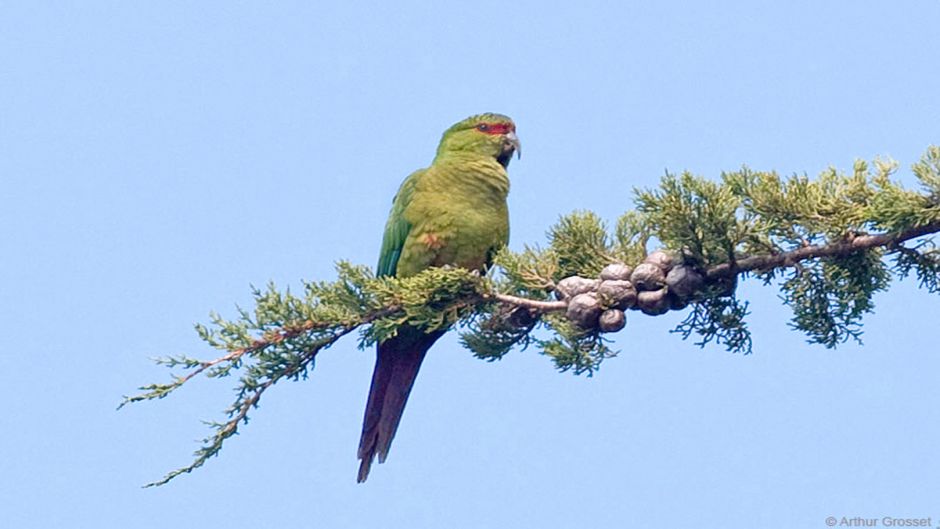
x,y
396,367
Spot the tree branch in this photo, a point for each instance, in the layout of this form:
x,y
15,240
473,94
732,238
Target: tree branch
x,y
835,249
746,222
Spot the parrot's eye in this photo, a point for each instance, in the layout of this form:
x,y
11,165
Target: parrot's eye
x,y
483,127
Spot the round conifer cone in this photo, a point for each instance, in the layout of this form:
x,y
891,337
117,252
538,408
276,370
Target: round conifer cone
x,y
616,293
616,271
570,287
584,310
662,259
648,276
653,302
612,320
684,281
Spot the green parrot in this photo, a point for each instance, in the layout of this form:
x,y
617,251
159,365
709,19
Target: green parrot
x,y
451,213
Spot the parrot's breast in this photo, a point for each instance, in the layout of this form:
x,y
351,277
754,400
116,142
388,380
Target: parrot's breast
x,y
459,217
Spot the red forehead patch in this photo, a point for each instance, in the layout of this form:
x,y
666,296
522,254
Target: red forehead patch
x,y
496,128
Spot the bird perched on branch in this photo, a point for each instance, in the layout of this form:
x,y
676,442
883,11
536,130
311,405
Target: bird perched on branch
x,y
451,213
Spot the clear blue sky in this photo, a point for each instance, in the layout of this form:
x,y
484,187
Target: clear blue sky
x,y
157,158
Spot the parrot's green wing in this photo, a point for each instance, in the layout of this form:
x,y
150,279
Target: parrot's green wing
x,y
397,227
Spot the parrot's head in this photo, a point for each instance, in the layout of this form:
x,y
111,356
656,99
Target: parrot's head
x,y
487,134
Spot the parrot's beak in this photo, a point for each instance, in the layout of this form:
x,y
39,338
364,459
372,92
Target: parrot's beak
x,y
510,145
513,142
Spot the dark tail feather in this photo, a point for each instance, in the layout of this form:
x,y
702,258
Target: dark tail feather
x,y
396,367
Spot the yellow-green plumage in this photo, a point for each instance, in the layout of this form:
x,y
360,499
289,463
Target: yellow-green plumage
x,y
457,214
451,213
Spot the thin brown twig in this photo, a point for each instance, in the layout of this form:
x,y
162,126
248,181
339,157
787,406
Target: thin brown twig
x,y
541,306
230,357
833,249
285,333
235,354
